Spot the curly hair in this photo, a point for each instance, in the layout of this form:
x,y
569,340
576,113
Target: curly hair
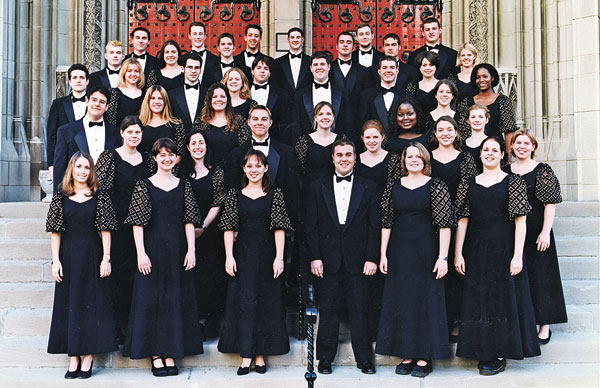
x,y
208,113
421,124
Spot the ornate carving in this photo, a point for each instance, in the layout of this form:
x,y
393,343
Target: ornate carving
x,y
161,13
478,27
408,16
61,81
92,33
227,13
345,16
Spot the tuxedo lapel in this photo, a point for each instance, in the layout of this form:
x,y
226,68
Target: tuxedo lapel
x,y
104,79
182,102
308,104
271,99
109,139
338,76
68,106
381,111
355,197
443,58
336,101
351,78
329,197
273,159
287,70
304,68
81,139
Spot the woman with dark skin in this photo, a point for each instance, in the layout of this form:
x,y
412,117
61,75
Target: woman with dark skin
x,y
407,124
127,97
170,74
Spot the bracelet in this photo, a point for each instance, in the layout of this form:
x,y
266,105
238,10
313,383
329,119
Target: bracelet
x,y
445,258
106,260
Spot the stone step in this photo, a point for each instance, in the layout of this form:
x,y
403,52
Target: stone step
x,y
23,228
578,209
26,295
581,291
25,249
577,245
517,375
26,271
576,226
24,209
579,267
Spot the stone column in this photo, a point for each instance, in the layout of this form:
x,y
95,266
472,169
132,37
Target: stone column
x,y
279,16
93,50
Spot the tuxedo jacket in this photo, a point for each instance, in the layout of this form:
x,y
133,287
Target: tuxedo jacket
x,y
151,63
282,171
372,105
373,75
180,108
61,113
241,61
210,66
447,61
283,77
406,74
283,113
99,78
237,62
71,138
350,244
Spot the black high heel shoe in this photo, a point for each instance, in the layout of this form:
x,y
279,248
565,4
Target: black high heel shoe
x,y
158,371
73,374
262,369
171,370
85,374
544,341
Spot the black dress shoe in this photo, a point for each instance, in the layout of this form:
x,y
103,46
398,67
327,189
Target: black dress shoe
x,y
405,369
243,370
422,371
73,374
545,340
171,370
262,369
325,367
158,371
85,374
366,367
453,339
490,368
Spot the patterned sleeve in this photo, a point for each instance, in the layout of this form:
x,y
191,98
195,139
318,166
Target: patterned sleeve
x,y
243,133
179,138
279,217
105,168
55,221
462,114
468,168
191,214
230,219
152,79
140,208
151,165
508,121
411,87
218,186
518,204
547,187
387,208
442,211
301,152
394,168
113,107
463,208
106,219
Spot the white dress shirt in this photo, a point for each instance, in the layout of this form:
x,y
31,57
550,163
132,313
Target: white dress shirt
x,y
321,94
295,66
365,60
342,191
202,53
261,148
432,48
260,95
344,67
191,97
249,59
79,109
388,98
95,138
141,61
113,79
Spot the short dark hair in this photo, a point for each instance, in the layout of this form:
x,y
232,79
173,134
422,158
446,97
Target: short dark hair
x,y
493,138
140,29
432,57
386,58
296,29
225,35
265,59
447,82
429,21
393,36
344,33
100,89
191,55
130,120
491,69
163,142
255,26
342,142
266,183
78,66
322,54
196,24
421,124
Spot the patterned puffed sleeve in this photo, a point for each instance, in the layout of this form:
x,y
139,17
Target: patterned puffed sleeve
x,y
411,87
301,153
106,219
140,208
462,113
387,208
463,208
55,221
151,165
191,211
179,138
230,219
113,107
105,168
244,133
218,187
152,79
442,211
467,167
279,217
518,204
508,121
394,168
547,187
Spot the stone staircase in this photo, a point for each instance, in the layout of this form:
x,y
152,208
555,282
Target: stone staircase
x,y
26,290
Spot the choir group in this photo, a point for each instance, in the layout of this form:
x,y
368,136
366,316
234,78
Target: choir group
x,y
192,190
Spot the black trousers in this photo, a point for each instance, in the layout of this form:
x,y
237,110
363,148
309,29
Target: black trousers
x,y
329,295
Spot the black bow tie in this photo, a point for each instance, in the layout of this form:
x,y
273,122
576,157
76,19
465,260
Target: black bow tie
x,y
250,54
385,90
226,64
94,123
80,99
324,86
196,86
113,71
299,56
365,52
260,143
429,48
347,178
143,56
255,86
201,52
348,62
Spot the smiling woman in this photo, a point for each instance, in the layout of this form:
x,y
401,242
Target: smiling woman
x,y
127,97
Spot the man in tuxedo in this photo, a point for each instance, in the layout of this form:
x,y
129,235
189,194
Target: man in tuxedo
x,y
322,90
210,62
377,101
432,31
187,100
279,102
66,109
140,38
342,225
114,53
226,47
391,48
252,37
293,69
366,55
90,134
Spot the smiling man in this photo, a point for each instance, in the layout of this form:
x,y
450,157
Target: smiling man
x,y
210,62
432,32
140,39
187,100
293,68
252,37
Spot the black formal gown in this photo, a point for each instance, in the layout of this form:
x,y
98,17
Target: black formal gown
x,y
497,318
465,89
254,313
542,267
222,142
397,145
121,106
476,154
244,109
164,316
451,174
151,134
426,99
413,313
314,160
117,177
82,318
170,83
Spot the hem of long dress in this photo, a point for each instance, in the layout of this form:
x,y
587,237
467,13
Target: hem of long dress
x,y
84,353
414,356
508,357
258,353
166,355
552,321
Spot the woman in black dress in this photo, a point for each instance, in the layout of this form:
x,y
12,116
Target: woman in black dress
x,y
127,97
169,73
208,184
222,127
118,171
497,318
163,323
416,220
239,90
254,323
467,58
408,123
428,62
478,117
543,192
82,321
445,94
451,165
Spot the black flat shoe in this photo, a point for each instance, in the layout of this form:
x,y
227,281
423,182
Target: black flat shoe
x,y
366,367
422,371
158,371
490,368
262,369
324,367
405,369
73,374
453,339
243,370
544,341
171,370
85,374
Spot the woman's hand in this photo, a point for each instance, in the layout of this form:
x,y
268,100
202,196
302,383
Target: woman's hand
x,y
543,241
369,268
516,266
190,260
144,264
316,267
441,267
230,266
198,232
277,268
459,263
105,268
383,262
57,271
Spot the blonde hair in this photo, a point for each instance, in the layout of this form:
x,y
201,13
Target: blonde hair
x,y
425,157
125,66
472,49
67,185
245,90
146,112
484,108
114,43
523,132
